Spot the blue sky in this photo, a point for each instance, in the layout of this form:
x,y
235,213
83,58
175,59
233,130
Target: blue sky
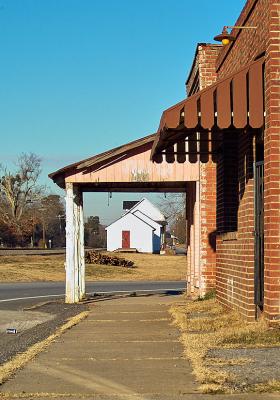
x,y
82,76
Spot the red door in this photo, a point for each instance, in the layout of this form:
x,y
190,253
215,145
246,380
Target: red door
x,y
126,239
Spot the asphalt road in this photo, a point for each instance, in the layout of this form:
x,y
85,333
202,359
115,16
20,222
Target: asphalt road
x,y
15,296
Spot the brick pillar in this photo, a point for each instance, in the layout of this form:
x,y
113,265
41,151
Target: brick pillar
x,y
208,225
272,169
192,215
197,234
203,74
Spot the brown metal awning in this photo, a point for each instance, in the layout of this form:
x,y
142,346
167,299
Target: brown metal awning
x,y
234,102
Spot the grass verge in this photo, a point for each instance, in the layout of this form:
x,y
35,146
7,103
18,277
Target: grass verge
x,y
205,325
9,368
30,268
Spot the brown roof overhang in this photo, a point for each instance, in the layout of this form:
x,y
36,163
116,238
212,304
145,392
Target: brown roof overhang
x,y
99,159
234,102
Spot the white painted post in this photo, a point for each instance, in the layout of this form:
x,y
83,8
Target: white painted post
x,y
75,262
81,247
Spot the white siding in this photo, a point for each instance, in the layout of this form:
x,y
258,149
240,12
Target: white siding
x,y
157,231
141,234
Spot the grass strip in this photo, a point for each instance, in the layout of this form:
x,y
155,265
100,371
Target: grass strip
x,y
50,268
206,325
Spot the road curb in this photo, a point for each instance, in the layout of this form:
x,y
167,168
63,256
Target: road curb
x,y
8,369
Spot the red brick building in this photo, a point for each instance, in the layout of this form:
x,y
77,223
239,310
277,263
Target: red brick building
x,y
220,145
236,123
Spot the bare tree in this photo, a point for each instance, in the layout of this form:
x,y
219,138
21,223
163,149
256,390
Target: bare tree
x,y
18,190
48,213
173,206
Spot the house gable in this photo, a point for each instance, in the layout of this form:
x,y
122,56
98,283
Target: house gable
x,y
148,209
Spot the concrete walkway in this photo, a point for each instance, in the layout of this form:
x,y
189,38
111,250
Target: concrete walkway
x,y
125,349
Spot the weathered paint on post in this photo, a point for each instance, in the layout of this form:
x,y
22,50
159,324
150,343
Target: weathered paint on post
x,y
75,262
81,247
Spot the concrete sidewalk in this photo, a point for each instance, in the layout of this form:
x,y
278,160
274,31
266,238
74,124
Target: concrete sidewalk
x,y
125,349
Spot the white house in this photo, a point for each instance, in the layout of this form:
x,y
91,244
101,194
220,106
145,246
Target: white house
x,y
142,228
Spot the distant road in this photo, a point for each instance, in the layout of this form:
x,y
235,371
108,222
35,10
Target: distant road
x,y
38,252
19,295
27,252
41,252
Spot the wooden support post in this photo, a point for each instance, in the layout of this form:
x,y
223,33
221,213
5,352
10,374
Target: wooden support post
x,y
81,247
75,261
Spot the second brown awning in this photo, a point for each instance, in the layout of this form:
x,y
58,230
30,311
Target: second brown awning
x,y
236,101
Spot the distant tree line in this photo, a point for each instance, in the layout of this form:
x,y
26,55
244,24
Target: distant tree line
x,y
95,234
29,217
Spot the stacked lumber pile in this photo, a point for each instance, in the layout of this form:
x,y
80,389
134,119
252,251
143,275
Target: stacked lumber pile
x,y
94,257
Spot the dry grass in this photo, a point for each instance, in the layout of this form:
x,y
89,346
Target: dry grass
x,y
9,368
51,268
205,325
270,386
43,395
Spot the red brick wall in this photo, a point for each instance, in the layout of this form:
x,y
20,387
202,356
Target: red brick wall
x,y
203,71
207,64
249,43
235,251
272,167
235,246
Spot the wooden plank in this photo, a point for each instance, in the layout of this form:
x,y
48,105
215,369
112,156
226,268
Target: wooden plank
x,y
207,108
191,113
240,112
256,96
139,164
223,104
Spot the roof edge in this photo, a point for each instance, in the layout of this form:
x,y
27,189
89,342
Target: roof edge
x,y
60,173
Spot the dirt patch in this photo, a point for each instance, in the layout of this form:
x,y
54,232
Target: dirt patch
x,y
21,320
10,345
227,353
31,268
262,366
